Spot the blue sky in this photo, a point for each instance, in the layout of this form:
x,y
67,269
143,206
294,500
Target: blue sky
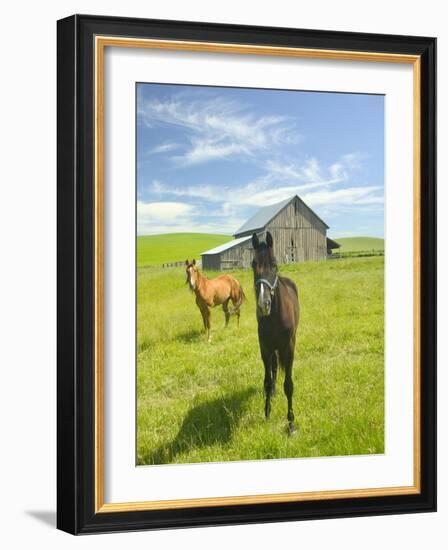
x,y
209,157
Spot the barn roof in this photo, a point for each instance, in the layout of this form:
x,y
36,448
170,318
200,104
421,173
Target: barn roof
x,y
264,215
226,246
332,244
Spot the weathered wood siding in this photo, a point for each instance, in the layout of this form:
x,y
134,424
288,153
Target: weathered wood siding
x,y
211,262
232,258
299,235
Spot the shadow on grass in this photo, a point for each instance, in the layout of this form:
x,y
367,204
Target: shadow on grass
x,y
187,337
144,345
205,425
191,335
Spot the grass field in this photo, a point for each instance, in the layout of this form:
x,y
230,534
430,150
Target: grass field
x,y
201,402
359,244
154,250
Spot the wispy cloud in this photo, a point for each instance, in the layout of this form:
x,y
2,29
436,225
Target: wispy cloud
x,y
164,148
359,196
347,164
310,170
280,181
217,128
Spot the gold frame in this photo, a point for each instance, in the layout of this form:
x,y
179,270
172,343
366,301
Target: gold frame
x,y
101,42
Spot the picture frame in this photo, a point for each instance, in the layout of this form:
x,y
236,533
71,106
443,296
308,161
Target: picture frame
x,y
82,41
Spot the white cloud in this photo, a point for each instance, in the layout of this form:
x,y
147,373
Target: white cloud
x,y
217,128
150,215
204,151
348,196
164,148
207,192
312,172
225,207
162,210
354,160
177,217
346,165
279,182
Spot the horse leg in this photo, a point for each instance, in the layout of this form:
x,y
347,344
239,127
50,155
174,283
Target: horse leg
x,y
204,319
287,359
268,385
289,387
205,312
202,309
208,324
225,308
274,372
236,302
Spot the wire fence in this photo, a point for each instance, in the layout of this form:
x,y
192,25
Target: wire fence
x,y
355,254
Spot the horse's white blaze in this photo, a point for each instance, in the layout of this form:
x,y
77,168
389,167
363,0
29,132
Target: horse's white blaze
x,y
261,297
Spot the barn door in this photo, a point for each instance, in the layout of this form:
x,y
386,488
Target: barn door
x,y
291,253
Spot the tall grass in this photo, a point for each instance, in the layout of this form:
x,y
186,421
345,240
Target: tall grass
x,y
200,401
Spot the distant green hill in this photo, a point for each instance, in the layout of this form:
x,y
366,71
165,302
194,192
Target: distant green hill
x,y
175,247
357,244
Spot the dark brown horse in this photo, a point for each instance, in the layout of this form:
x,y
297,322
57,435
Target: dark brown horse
x,y
278,317
214,292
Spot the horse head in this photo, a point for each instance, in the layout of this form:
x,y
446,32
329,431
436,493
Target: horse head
x,y
192,274
264,267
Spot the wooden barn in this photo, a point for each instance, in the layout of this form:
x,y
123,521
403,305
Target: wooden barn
x,y
299,235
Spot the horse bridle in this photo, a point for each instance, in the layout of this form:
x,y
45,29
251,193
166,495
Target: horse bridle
x,y
272,286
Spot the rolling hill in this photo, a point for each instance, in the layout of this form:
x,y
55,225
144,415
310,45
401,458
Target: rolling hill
x,y
154,250
358,244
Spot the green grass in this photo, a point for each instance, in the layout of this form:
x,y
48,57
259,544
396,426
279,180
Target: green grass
x,y
154,250
203,402
360,244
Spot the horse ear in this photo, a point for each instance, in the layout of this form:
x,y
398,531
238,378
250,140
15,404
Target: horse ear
x,y
186,262
193,262
255,241
269,240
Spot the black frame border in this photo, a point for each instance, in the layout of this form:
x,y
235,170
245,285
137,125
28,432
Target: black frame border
x,y
76,262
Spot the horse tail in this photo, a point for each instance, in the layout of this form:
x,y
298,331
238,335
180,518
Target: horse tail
x,y
238,296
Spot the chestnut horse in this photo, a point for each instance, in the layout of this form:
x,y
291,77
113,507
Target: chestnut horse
x,y
278,317
214,292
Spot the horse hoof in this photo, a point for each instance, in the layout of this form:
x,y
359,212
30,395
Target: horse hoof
x,y
292,431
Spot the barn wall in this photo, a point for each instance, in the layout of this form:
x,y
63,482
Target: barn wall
x,y
238,256
211,262
299,235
